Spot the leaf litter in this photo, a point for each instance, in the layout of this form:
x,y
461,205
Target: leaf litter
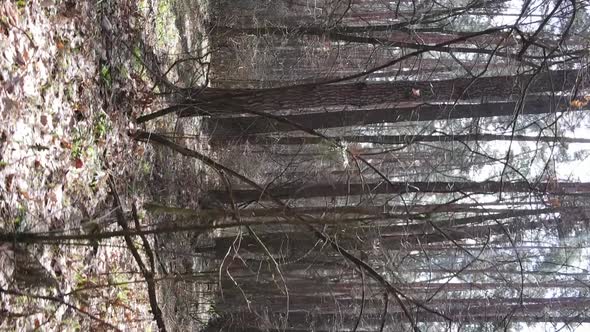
x,y
66,97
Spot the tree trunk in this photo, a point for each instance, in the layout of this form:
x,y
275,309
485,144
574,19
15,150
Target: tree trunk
x,y
345,189
395,139
363,94
238,126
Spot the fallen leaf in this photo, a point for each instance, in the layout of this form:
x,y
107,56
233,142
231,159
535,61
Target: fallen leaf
x,y
65,144
9,180
577,103
20,58
554,202
26,55
78,163
139,151
25,194
46,3
52,196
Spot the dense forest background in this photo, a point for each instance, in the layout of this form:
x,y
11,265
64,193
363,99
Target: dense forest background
x,y
325,165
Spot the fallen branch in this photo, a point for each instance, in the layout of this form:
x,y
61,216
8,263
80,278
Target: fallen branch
x,y
148,275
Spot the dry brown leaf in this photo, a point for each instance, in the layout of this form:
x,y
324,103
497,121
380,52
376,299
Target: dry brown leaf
x,y
64,143
24,194
78,163
554,202
52,196
578,103
9,180
139,150
46,3
18,57
25,54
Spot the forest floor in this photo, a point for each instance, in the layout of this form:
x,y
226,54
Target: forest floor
x,y
73,76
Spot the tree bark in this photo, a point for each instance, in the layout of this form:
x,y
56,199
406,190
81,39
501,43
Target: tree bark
x,y
363,94
345,189
394,139
237,126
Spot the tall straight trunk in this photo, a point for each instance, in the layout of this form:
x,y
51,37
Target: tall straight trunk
x,y
389,30
339,60
345,189
309,320
422,224
461,306
237,126
416,40
395,139
384,211
363,94
341,288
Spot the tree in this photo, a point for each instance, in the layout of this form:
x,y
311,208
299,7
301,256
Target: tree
x,y
239,126
363,94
